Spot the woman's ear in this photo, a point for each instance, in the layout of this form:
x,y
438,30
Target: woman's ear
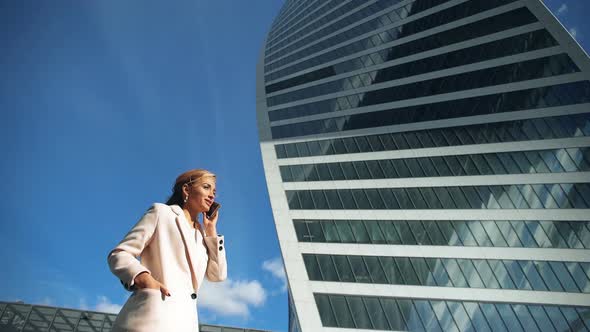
x,y
185,190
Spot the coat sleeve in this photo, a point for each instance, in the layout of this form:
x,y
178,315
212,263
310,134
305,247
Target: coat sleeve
x,y
123,260
217,264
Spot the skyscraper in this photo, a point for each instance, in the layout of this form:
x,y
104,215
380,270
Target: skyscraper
x,y
428,164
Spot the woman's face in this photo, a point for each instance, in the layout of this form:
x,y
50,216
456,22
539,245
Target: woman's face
x,y
202,194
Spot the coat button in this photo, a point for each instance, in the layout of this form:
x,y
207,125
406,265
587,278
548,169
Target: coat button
x,y
193,296
220,248
220,242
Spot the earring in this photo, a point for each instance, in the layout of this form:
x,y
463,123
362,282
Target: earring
x,y
186,199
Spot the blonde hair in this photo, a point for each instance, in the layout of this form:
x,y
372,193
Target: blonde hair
x,y
187,177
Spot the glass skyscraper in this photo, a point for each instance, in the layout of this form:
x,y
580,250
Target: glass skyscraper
x,y
428,165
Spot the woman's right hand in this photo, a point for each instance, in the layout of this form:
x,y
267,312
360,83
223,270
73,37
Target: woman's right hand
x,y
145,280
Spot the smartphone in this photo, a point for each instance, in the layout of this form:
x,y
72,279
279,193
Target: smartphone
x,y
213,210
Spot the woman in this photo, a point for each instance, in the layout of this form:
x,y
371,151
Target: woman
x,y
176,253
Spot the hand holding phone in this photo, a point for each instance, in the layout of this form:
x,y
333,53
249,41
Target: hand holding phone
x,y
213,210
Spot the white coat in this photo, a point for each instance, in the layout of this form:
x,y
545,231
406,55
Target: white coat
x,y
177,256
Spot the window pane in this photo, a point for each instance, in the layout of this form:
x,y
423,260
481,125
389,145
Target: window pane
x,y
410,315
345,231
538,233
455,273
359,312
464,233
486,273
391,271
548,276
494,233
376,313
293,200
330,231
390,232
375,270
394,316
389,199
445,318
557,318
362,170
470,273
336,171
444,197
540,317
327,268
334,202
325,309
501,274
361,199
525,318
579,276
448,231
422,271
434,233
405,232
343,267
427,315
319,199
374,231
419,232
323,172
528,267
407,270
301,230
523,233
313,269
359,269
375,198
341,311
517,275
508,232
564,277
479,233
286,174
461,317
477,318
305,198
509,317
359,231
439,272
316,232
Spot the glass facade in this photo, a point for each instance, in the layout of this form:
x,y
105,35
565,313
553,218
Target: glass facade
x,y
513,45
528,99
435,149
407,314
26,317
517,162
515,196
478,233
451,272
523,130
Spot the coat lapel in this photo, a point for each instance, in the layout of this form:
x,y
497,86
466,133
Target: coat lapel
x,y
189,240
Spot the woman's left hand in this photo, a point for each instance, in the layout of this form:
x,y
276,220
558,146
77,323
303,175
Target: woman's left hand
x,y
210,224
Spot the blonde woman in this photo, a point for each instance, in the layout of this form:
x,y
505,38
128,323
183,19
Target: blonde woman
x,y
176,253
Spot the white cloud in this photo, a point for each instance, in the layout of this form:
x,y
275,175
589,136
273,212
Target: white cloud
x,y
232,298
105,305
562,9
573,32
276,268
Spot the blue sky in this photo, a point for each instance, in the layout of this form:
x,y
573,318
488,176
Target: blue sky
x,y
102,105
